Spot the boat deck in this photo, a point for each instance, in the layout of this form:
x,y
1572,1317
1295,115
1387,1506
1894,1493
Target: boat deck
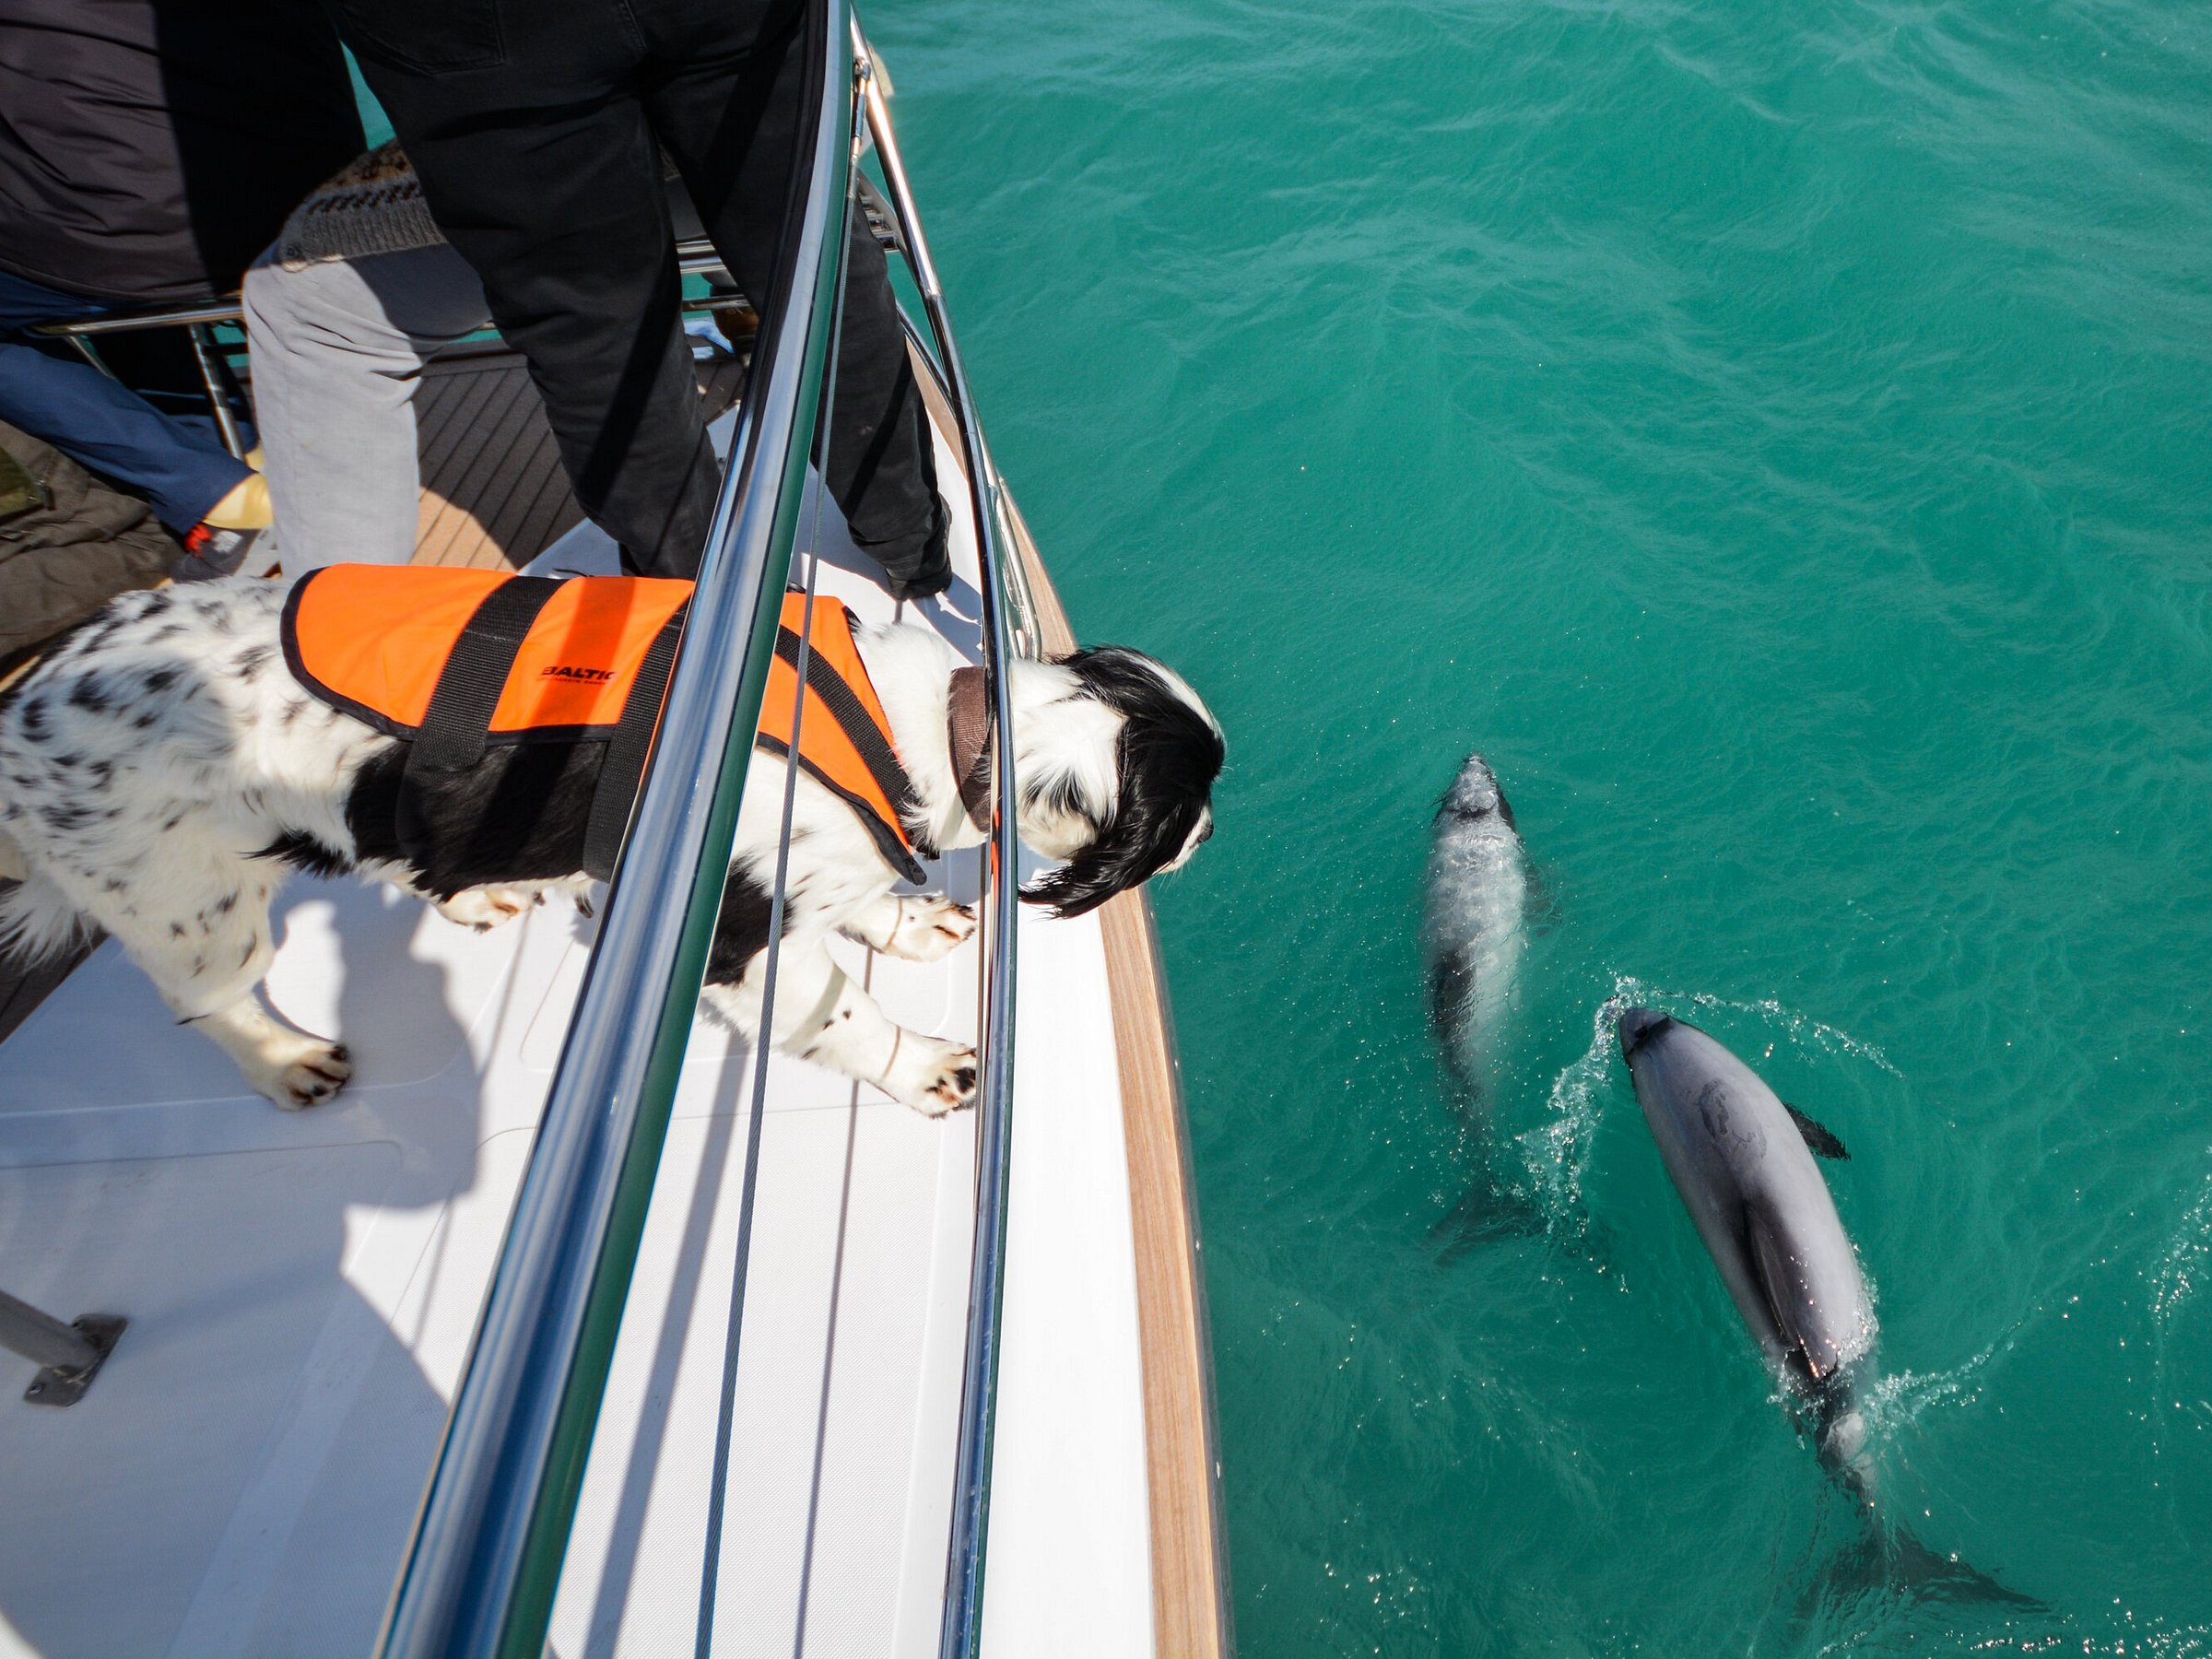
x,y
493,491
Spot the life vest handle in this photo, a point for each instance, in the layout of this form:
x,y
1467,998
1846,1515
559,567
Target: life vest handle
x,y
451,735
622,768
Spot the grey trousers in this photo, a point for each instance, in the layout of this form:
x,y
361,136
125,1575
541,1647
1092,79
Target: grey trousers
x,y
338,350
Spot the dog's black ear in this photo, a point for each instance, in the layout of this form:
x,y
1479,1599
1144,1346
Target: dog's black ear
x,y
1166,757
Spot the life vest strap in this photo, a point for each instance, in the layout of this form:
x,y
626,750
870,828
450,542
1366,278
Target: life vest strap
x,y
451,735
623,768
882,762
869,742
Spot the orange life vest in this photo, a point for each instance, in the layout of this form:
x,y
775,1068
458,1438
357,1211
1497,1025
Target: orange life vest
x,y
375,640
453,660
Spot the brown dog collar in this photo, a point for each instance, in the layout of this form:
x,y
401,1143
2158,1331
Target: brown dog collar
x,y
968,734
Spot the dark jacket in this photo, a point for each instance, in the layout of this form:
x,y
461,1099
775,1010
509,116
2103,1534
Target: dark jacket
x,y
149,149
68,544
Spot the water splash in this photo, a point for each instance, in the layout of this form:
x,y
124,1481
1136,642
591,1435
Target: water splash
x,y
1556,1150
1899,1399
2186,1263
1800,1029
2182,1268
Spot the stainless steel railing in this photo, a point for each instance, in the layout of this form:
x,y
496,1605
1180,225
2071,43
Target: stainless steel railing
x,y
484,1560
695,257
1003,590
960,1633
199,318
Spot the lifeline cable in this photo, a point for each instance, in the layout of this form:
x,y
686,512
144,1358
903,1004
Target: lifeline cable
x,y
764,1041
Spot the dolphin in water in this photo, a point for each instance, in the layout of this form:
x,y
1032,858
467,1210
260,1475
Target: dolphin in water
x,y
1471,943
1743,1161
1471,937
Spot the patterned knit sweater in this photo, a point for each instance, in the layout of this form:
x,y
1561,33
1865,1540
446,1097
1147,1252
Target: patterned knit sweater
x,y
374,206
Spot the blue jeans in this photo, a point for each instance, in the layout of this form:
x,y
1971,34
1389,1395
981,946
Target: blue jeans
x,y
99,422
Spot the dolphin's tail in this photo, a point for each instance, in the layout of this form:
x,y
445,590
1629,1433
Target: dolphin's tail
x,y
1485,1214
1491,1208
1888,1558
1912,1565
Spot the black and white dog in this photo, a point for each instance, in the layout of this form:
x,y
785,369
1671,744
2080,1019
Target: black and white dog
x,y
163,772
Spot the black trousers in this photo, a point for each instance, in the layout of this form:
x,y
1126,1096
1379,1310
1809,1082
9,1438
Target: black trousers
x,y
536,128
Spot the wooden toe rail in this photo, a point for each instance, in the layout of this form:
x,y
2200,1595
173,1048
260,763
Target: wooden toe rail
x,y
1190,1577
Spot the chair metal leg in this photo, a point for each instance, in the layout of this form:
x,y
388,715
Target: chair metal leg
x,y
72,1354
212,376
85,349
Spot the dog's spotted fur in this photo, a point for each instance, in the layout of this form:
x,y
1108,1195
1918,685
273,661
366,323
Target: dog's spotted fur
x,y
162,772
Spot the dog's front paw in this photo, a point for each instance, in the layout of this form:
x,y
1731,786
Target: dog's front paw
x,y
930,929
484,908
314,1071
931,1076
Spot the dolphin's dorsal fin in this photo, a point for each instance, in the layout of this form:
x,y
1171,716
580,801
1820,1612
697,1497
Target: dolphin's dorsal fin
x,y
1774,1270
1818,1136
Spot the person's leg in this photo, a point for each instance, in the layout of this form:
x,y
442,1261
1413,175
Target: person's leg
x,y
883,467
338,350
729,112
542,172
96,421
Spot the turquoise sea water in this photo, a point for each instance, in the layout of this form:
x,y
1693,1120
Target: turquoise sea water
x,y
1777,437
